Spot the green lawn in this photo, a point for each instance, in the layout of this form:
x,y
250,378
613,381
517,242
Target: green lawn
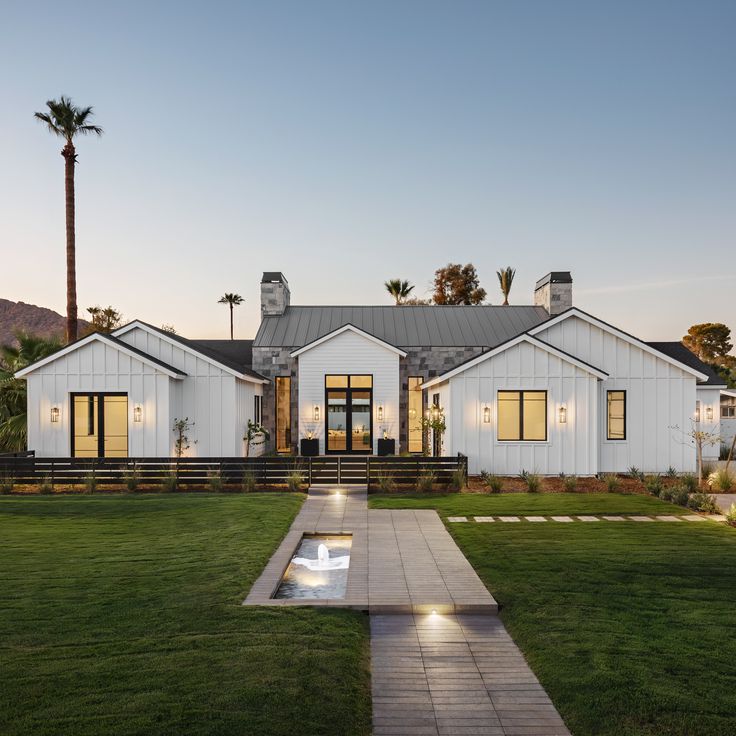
x,y
631,627
121,615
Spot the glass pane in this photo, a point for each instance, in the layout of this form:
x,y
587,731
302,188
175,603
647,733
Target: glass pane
x,y
336,381
283,414
414,423
115,417
85,426
337,420
361,416
616,415
535,416
509,416
361,381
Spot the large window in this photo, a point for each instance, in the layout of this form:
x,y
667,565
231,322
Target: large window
x,y
616,415
257,415
414,419
349,419
522,416
99,425
728,407
283,413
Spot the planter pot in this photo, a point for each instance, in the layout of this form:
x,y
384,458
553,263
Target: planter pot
x,y
386,447
309,447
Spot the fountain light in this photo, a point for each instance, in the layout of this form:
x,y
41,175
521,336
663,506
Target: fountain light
x,y
434,611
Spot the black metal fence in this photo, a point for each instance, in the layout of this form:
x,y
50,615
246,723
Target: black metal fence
x,y
26,469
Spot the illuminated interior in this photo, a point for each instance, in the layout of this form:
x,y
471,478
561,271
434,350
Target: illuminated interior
x,y
100,425
414,423
522,416
283,413
616,415
349,402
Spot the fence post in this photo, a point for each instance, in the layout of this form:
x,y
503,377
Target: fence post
x,y
309,466
368,473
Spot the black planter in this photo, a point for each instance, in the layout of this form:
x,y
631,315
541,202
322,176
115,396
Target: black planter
x,y
386,447
309,447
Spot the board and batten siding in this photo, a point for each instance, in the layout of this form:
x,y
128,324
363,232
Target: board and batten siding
x,y
710,399
570,447
348,353
91,368
660,398
209,396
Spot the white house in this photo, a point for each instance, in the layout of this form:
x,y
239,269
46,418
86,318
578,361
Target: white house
x,y
543,387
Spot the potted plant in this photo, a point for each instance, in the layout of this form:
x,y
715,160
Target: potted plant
x,y
309,445
386,445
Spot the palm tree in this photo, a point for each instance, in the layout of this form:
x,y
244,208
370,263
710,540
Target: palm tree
x,y
13,412
68,121
505,279
398,289
234,300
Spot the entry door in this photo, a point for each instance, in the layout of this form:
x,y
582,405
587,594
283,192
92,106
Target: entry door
x,y
99,425
349,415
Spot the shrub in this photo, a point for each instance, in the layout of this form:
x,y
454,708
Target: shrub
x,y
169,483
690,481
636,474
90,483
671,472
723,452
720,480
708,468
46,486
570,483
731,515
386,482
493,482
654,485
131,479
458,481
214,481
6,484
680,495
667,493
532,480
702,502
612,481
425,481
294,481
249,482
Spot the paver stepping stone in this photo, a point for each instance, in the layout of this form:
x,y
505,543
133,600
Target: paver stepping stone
x,y
693,517
716,517
641,518
457,519
484,519
588,518
509,518
669,518
535,518
562,518
614,518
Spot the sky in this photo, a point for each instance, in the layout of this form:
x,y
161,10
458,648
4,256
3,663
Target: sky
x,y
346,143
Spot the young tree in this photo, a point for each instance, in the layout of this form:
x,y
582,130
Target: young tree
x,y
505,279
456,284
67,121
105,320
232,300
399,290
711,342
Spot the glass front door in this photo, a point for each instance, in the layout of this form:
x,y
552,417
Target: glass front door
x,y
348,420
99,425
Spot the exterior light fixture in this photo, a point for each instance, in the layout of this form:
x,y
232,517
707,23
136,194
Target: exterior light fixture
x,y
486,414
138,413
435,412
434,611
709,413
697,412
562,416
316,412
55,414
380,412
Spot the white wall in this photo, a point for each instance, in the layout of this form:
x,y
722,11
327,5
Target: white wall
x,y
710,398
659,398
349,353
98,367
570,447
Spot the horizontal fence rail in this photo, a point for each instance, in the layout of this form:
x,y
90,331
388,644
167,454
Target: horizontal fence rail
x,y
26,469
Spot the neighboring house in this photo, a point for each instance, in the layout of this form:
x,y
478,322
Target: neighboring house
x,y
728,415
545,387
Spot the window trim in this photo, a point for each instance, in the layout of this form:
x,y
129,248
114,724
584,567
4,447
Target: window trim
x,y
521,392
608,418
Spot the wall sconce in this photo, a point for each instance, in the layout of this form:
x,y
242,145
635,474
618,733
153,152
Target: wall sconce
x,y
55,414
138,413
709,413
380,412
486,414
697,412
434,412
562,414
315,412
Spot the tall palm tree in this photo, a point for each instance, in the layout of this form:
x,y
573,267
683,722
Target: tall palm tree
x,y
68,121
233,300
398,289
505,279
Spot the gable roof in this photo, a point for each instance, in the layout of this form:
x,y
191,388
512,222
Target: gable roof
x,y
575,312
235,360
348,328
403,326
682,354
112,341
525,337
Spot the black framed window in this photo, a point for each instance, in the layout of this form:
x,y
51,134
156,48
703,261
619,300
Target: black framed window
x,y
99,424
257,416
349,413
616,415
522,416
414,409
283,413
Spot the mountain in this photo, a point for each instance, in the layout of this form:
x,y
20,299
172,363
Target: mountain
x,y
15,316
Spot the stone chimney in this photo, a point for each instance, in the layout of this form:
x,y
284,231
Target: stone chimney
x,y
554,292
275,294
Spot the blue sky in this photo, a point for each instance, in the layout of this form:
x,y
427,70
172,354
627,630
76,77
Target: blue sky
x,y
345,143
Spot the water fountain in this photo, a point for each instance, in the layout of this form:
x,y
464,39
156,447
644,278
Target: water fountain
x,y
319,568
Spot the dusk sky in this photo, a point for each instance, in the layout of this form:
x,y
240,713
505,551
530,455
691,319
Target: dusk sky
x,y
346,143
